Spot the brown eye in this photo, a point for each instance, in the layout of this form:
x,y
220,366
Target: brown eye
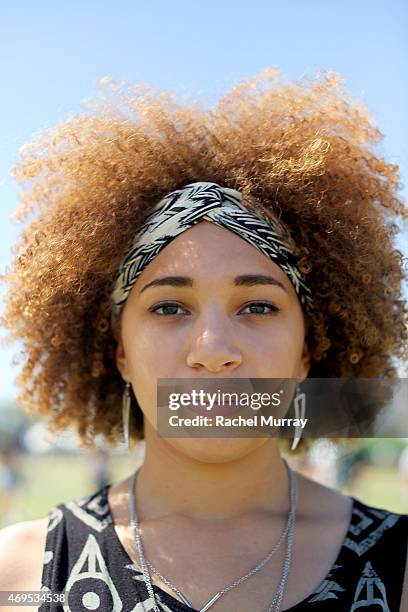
x,y
167,308
259,308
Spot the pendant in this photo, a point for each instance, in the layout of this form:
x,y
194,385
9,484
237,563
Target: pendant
x,y
211,602
206,606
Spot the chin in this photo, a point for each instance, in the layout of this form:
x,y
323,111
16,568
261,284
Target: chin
x,y
215,450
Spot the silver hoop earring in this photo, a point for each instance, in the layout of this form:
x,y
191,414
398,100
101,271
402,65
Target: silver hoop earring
x,y
126,401
299,403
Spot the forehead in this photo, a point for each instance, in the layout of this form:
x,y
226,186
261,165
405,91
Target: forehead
x,y
206,249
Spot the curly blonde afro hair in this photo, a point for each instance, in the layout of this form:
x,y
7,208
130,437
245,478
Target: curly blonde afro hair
x,y
304,150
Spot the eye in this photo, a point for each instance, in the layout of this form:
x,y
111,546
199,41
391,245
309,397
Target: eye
x,y
171,309
257,308
168,308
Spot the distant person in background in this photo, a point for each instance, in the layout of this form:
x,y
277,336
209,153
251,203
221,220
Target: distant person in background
x,y
254,239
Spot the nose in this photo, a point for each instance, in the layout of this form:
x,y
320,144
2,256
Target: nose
x,y
213,346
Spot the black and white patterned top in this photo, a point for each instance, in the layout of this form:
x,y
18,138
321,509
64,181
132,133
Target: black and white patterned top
x,y
83,555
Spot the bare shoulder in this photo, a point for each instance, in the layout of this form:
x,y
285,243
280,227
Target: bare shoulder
x,y
324,503
22,547
320,501
118,503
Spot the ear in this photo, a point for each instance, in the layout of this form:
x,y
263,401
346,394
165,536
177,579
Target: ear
x,y
305,362
121,361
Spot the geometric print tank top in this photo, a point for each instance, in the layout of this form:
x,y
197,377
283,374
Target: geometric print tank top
x,y
84,557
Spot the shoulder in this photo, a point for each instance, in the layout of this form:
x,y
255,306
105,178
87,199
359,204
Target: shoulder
x,y
369,532
22,547
387,519
321,503
395,553
381,526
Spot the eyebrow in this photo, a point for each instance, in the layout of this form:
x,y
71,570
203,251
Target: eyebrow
x,y
244,280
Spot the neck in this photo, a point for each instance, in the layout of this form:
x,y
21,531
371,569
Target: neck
x,y
172,482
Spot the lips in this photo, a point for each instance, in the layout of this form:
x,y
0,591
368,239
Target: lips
x,y
216,409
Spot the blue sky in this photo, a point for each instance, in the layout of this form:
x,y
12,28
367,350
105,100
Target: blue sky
x,y
52,55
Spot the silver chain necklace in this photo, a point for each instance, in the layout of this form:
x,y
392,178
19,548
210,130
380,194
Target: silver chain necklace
x,y
287,531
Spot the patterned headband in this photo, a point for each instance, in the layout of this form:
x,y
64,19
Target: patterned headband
x,y
180,210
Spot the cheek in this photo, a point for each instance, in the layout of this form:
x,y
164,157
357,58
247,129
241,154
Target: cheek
x,y
277,352
149,358
150,353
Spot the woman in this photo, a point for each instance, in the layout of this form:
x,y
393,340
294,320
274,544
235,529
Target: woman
x,y
252,240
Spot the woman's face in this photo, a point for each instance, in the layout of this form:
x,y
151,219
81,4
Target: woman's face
x,y
212,322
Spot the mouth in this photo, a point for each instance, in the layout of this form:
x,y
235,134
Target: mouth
x,y
215,409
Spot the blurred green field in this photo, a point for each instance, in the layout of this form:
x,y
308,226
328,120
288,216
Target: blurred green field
x,y
52,479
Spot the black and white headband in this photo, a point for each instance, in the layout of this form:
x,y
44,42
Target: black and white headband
x,y
202,201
